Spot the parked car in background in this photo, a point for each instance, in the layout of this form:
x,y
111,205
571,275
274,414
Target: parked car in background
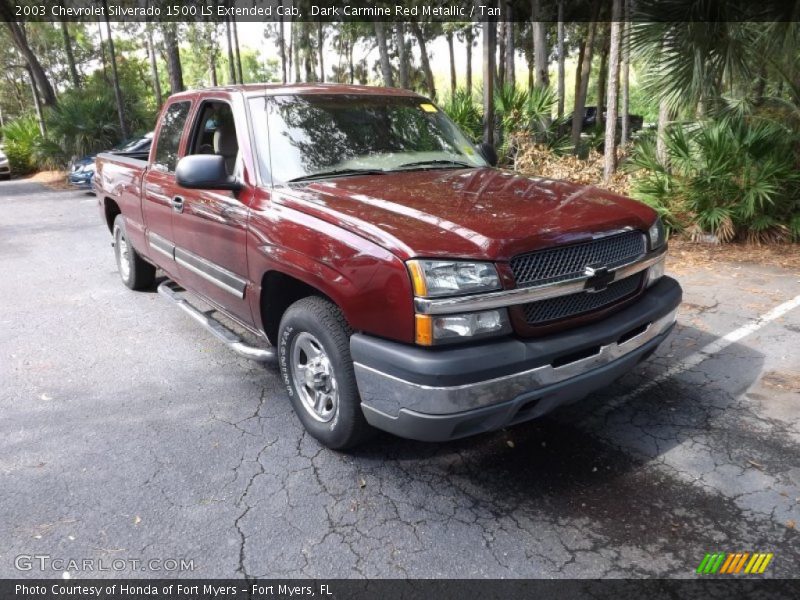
x,y
81,171
589,120
5,167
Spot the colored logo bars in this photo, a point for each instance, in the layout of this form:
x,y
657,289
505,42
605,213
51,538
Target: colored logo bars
x,y
730,563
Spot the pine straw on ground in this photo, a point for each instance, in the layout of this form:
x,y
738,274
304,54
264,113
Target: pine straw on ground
x,y
55,180
539,161
689,256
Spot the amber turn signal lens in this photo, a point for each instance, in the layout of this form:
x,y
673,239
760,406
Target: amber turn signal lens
x,y
424,330
417,279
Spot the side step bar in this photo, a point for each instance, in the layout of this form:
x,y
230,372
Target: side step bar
x,y
171,291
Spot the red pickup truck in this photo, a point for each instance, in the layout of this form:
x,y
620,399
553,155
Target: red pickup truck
x,y
401,281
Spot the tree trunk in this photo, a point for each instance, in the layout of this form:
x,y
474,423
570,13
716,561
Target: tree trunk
x,y
583,84
612,92
500,41
174,68
510,50
602,77
20,40
489,41
470,37
102,48
402,53
561,59
296,52
212,55
541,53
37,103
282,47
383,51
123,126
231,65
236,46
73,71
661,132
625,133
151,51
453,84
578,68
426,65
307,51
350,64
321,51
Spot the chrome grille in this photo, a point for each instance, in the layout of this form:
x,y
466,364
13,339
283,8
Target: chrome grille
x,y
560,307
569,262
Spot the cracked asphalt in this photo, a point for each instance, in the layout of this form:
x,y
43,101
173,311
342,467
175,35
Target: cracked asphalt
x,y
129,433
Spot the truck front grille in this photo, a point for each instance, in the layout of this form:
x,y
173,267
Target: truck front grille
x,y
561,307
569,262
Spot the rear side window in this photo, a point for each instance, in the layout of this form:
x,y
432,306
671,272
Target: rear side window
x,y
169,138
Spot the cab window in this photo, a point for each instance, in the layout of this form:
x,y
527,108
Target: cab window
x,y
169,137
215,133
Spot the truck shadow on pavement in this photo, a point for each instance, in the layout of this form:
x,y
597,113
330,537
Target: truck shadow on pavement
x,y
669,469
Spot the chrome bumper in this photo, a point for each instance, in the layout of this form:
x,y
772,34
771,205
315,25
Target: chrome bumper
x,y
389,395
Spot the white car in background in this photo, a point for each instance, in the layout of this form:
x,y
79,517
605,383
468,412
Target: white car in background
x,y
5,167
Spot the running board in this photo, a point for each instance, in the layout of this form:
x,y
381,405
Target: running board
x,y
172,292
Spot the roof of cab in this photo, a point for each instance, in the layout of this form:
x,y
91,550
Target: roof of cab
x,y
303,88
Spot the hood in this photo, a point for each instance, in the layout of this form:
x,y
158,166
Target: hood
x,y
479,213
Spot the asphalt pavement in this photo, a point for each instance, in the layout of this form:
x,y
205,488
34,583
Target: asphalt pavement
x,y
131,438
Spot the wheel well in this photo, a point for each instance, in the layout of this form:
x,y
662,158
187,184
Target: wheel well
x,y
111,210
278,292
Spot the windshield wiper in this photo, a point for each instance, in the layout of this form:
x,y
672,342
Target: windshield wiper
x,y
337,173
435,163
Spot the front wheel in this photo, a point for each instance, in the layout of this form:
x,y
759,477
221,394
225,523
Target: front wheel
x,y
135,272
315,362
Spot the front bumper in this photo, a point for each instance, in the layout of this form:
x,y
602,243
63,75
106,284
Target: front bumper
x,y
448,393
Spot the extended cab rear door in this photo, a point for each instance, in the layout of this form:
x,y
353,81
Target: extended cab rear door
x,y
159,195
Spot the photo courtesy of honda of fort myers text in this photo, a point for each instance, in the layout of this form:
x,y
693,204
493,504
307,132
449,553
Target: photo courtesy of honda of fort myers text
x,y
468,310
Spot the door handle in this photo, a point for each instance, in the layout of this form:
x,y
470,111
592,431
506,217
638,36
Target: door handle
x,y
177,204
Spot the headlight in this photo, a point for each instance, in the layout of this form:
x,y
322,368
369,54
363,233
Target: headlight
x,y
433,278
657,234
438,329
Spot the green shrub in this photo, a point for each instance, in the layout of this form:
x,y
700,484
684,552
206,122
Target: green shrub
x,y
461,108
20,137
735,177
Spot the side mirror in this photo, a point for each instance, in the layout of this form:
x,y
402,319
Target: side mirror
x,y
488,153
204,172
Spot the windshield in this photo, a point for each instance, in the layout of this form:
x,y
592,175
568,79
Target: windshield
x,y
328,135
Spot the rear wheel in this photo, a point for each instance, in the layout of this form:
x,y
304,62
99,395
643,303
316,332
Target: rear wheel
x,y
315,362
135,272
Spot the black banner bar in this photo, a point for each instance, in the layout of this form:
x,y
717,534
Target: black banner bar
x,y
392,10
411,589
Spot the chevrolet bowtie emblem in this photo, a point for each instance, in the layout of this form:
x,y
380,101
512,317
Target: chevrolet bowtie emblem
x,y
599,278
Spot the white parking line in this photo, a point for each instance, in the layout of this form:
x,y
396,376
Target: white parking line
x,y
704,353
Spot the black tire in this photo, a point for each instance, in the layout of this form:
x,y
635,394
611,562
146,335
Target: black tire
x,y
135,272
317,319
